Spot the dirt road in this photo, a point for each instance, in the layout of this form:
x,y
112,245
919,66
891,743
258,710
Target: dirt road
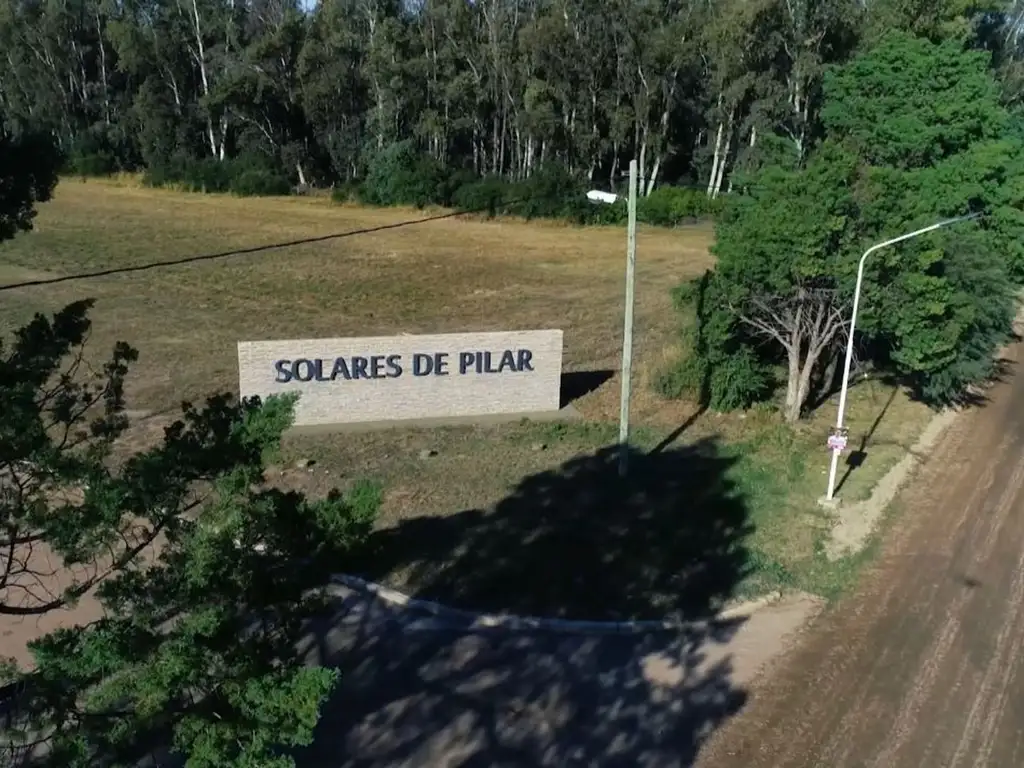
x,y
923,665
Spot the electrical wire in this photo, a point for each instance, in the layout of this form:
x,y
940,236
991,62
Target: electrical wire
x,y
238,251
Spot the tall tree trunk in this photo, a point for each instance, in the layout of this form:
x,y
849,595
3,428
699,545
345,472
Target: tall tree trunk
x,y
724,158
793,405
105,84
204,77
654,175
716,161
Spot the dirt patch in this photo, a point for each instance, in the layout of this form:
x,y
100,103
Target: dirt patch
x,y
856,522
922,664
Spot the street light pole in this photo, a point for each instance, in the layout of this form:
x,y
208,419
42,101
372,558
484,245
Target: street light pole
x,y
609,198
627,330
830,495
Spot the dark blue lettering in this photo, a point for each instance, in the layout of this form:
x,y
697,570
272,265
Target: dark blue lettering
x,y
340,369
479,362
377,367
525,362
394,366
318,366
284,375
440,363
508,360
359,366
422,365
488,368
465,360
307,374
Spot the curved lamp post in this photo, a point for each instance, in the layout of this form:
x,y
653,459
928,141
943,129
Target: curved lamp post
x,y
830,495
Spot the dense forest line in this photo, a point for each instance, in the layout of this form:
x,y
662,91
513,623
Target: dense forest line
x,y
835,123
695,90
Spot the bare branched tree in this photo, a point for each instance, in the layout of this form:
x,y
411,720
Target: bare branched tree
x,y
809,324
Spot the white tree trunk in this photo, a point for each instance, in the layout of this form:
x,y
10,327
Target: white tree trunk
x,y
204,78
103,70
654,175
793,406
724,157
717,160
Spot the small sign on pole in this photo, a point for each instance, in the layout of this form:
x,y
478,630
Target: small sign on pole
x,y
838,438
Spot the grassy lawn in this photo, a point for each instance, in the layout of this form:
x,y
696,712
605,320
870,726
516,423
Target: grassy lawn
x,y
526,517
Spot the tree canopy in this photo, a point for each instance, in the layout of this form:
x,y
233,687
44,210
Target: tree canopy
x,y
311,92
204,573
914,132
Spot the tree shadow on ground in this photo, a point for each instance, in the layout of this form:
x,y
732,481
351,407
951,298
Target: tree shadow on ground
x,y
581,542
576,541
409,698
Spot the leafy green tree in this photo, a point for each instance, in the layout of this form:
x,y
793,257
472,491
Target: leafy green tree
x,y
916,133
781,264
927,120
204,574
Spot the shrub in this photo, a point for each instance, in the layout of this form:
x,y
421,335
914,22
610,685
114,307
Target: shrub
x,y
612,214
246,175
206,175
92,155
256,182
399,175
550,192
489,195
737,381
673,206
345,192
684,377
451,183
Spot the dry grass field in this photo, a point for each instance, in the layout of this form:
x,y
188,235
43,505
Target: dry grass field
x,y
457,274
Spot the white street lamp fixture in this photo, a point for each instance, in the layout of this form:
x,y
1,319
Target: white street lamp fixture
x,y
597,196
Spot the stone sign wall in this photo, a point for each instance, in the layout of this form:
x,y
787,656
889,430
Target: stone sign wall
x,y
397,378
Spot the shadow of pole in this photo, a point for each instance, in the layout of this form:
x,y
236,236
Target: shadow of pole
x,y
857,458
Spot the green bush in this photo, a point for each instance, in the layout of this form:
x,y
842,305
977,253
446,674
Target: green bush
x,y
206,175
345,192
246,175
550,192
489,195
685,377
610,214
255,182
399,175
673,206
92,155
451,183
93,164
737,381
